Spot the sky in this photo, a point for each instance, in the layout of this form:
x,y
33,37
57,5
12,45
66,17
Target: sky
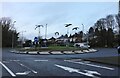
x,y
55,14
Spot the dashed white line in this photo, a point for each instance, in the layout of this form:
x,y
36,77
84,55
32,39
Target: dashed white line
x,y
5,61
40,60
14,60
26,67
11,73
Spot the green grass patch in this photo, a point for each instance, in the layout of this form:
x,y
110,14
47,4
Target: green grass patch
x,y
52,48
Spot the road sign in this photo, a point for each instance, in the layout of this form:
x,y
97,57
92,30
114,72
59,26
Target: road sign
x,y
36,39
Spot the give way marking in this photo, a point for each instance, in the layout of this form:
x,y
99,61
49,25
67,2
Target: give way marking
x,y
86,72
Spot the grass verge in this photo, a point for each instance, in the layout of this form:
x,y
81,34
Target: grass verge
x,y
52,48
113,60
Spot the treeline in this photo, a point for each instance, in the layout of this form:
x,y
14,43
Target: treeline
x,y
105,32
9,34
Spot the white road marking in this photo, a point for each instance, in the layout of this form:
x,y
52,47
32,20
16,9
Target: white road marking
x,y
92,72
104,67
23,73
14,60
74,60
40,60
87,62
5,61
69,69
26,67
11,73
109,68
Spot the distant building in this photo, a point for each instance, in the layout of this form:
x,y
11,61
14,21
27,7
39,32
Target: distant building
x,y
51,40
62,39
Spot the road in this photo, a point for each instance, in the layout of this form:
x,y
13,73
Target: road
x,y
19,65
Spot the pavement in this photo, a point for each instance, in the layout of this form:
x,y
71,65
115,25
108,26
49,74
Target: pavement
x,y
55,66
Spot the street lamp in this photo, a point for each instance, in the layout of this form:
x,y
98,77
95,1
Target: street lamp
x,y
22,38
67,26
87,37
45,31
75,28
83,30
38,26
45,35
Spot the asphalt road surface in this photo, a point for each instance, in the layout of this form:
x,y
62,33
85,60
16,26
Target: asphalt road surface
x,y
19,65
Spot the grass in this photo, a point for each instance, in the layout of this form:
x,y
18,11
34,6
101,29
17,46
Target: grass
x,y
52,48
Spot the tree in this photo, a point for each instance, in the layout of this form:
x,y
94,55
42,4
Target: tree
x,y
97,37
110,37
107,31
91,36
103,37
8,32
27,43
91,30
80,36
100,24
110,21
118,23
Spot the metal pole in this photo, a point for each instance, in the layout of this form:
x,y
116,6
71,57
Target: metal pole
x,y
67,30
83,31
46,32
83,28
39,33
87,37
22,40
13,34
13,40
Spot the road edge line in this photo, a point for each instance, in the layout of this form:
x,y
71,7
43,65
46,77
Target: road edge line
x,y
11,73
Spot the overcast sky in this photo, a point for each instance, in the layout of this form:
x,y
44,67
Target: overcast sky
x,y
56,15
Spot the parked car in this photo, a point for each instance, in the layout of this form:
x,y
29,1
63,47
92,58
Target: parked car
x,y
81,45
118,49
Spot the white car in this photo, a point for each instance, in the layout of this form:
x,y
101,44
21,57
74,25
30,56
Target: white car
x,y
81,45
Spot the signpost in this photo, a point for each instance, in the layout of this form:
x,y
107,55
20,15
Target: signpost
x,y
36,41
